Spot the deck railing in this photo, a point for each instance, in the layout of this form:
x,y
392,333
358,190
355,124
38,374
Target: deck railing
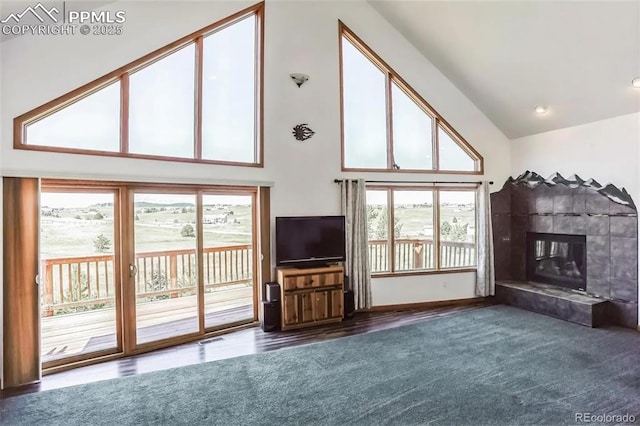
x,y
88,282
414,254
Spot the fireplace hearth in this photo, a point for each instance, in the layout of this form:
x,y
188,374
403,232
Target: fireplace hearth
x,y
557,259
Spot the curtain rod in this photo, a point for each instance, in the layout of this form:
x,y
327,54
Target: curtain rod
x,y
417,181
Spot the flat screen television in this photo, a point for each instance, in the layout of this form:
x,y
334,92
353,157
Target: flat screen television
x,y
309,240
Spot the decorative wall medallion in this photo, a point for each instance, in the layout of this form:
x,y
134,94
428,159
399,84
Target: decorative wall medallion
x,y
301,132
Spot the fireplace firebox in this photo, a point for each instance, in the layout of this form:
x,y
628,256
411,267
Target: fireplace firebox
x,y
557,259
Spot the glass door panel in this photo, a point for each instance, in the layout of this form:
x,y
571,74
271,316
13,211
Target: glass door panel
x,y
228,258
77,251
166,283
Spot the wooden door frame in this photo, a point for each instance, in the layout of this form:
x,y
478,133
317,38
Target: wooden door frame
x,y
21,289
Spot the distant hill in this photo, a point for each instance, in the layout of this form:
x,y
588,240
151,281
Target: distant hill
x,y
158,205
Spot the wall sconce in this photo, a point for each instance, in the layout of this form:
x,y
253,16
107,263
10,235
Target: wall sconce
x,y
299,79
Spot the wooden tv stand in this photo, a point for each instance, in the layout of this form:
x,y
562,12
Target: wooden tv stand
x,y
311,296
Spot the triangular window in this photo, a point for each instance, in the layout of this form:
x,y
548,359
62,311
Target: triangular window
x,y
386,125
197,99
67,127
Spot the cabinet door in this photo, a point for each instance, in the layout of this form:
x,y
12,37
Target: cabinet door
x,y
306,307
290,310
321,305
337,303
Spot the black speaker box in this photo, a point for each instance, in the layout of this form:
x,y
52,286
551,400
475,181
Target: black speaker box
x,y
272,292
270,315
349,304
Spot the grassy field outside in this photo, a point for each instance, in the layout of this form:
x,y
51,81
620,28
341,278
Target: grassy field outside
x,y
417,221
68,232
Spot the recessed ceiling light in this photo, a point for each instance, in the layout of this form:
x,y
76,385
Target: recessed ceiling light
x,y
541,109
636,82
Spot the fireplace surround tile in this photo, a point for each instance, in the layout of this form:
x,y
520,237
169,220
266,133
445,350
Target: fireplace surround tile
x,y
624,290
578,225
597,225
544,204
501,202
619,209
624,269
599,286
579,203
598,246
624,313
562,224
597,266
539,223
562,204
596,203
624,226
624,247
519,203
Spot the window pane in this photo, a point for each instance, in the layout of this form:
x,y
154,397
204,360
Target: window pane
x,y
364,103
166,281
413,230
161,106
377,230
228,98
228,261
451,156
77,249
457,229
90,123
412,140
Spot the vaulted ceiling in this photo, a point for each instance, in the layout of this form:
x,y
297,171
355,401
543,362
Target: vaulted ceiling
x,y
575,57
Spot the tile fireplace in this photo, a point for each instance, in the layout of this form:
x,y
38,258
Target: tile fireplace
x,y
568,234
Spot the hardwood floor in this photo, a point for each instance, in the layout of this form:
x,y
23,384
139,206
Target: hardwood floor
x,y
244,342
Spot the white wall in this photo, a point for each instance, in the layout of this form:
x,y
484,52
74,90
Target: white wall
x,y
606,150
300,37
429,288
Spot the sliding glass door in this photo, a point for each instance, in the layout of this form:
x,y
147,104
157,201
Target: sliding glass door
x,y
228,238
78,245
166,266
126,268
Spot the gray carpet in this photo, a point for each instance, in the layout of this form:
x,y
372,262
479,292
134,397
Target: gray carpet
x,y
495,365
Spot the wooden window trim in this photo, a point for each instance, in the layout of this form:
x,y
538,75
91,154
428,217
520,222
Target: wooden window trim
x,y
392,77
435,189
121,74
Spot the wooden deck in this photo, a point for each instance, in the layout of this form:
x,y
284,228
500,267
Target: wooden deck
x,y
91,331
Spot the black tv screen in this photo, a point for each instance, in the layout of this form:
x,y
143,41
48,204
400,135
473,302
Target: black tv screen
x,y
309,240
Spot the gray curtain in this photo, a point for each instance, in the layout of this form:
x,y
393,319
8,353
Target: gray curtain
x,y
485,273
354,208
